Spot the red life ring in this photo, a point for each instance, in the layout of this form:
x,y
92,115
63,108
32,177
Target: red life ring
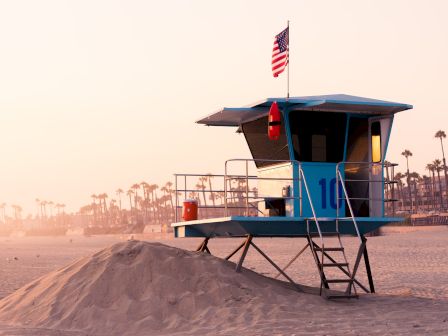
x,y
274,122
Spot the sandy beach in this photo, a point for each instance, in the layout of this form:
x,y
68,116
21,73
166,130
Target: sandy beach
x,y
410,272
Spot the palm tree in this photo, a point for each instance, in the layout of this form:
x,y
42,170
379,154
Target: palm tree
x,y
430,167
163,201
169,196
155,201
39,207
44,206
104,197
58,209
211,197
407,153
119,192
135,187
94,198
398,177
415,177
103,207
170,192
51,204
242,185
17,212
437,166
130,193
144,203
427,195
441,135
201,186
150,201
112,213
145,187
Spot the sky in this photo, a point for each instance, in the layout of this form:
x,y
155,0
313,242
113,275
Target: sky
x,y
98,95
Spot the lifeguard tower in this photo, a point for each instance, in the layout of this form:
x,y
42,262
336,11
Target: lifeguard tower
x,y
324,175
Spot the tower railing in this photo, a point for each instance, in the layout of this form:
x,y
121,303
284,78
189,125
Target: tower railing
x,y
236,193
251,200
386,182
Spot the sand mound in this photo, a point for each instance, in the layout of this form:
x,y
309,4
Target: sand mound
x,y
137,288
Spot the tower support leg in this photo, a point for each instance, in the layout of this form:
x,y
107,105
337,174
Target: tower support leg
x,y
235,250
203,246
292,260
276,266
368,270
244,253
361,250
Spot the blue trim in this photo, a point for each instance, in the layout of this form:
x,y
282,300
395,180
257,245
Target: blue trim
x,y
384,158
295,169
383,208
285,114
388,136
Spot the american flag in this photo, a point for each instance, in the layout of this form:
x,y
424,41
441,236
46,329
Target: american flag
x,y
280,53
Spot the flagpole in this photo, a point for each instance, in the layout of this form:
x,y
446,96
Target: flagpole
x,y
287,96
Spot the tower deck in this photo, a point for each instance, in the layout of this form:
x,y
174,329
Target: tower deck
x,y
240,226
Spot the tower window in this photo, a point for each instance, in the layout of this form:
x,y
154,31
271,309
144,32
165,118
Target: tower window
x,y
376,141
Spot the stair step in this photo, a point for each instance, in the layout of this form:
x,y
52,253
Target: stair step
x,y
339,280
316,234
342,296
335,264
329,249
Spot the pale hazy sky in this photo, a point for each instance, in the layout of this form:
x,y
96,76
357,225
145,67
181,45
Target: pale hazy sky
x,y
96,95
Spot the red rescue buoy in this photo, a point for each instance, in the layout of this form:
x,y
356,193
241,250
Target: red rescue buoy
x,y
274,122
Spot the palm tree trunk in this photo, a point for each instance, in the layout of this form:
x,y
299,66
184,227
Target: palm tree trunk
x,y
433,181
415,195
154,199
205,198
440,190
410,194
444,166
152,215
211,191
400,191
408,180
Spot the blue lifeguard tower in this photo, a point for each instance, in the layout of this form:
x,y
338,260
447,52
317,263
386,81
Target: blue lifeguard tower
x,y
325,176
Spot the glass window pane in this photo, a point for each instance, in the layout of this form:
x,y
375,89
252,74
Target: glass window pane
x,y
376,141
318,148
318,136
261,147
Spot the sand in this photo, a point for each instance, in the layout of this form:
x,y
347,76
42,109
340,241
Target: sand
x,y
140,288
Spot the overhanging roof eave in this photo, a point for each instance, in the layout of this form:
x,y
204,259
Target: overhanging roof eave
x,y
338,103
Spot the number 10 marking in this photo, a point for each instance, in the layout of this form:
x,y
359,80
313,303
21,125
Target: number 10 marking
x,y
323,184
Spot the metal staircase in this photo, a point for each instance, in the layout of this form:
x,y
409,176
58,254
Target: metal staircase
x,y
330,258
333,257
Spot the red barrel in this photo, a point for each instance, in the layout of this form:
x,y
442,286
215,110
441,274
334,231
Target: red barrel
x,y
190,210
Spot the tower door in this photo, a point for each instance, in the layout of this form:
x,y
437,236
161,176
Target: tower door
x,y
379,129
357,167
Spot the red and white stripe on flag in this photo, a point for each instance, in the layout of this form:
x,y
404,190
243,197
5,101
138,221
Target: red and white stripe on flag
x,y
280,52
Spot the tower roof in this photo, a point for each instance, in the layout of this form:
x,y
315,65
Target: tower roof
x,y
325,103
